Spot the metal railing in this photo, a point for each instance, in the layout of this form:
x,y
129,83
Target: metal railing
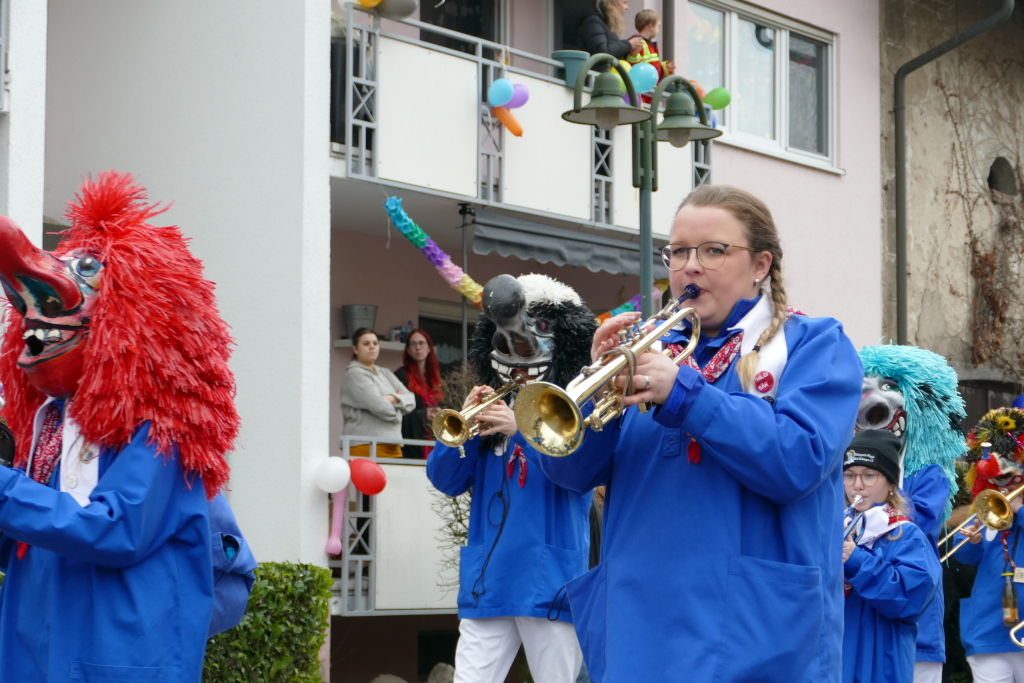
x,y
354,570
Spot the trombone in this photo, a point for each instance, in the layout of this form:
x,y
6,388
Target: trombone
x,y
551,419
454,428
994,511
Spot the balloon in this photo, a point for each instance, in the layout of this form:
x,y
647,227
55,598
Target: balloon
x,y
369,3
500,92
504,115
700,90
333,546
645,77
718,98
332,475
714,121
367,476
396,9
519,98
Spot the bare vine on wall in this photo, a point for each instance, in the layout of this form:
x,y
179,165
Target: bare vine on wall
x,y
982,101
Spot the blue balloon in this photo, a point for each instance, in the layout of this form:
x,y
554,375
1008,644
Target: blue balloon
x,y
500,92
645,77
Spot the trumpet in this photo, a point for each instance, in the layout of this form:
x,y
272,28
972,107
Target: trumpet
x,y
551,419
454,428
857,520
994,511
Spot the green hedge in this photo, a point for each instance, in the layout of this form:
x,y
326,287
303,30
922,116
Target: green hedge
x,y
280,636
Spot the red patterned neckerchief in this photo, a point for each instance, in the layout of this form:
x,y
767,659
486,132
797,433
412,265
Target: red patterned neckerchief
x,y
518,454
714,369
48,451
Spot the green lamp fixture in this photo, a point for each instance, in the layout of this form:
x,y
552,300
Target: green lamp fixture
x,y
681,122
607,108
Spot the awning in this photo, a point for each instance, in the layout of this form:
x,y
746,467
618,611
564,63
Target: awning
x,y
527,240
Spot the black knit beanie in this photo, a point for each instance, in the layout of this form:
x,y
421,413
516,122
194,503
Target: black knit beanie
x,y
877,449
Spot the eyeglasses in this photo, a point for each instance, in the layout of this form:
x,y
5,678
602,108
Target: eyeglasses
x,y
421,342
868,478
710,254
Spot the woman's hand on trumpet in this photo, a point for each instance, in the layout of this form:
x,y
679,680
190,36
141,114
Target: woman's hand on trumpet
x,y
848,546
606,337
495,418
653,380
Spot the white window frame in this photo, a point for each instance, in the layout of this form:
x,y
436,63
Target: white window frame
x,y
733,11
4,83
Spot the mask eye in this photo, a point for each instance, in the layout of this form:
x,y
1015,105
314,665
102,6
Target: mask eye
x,y
890,385
87,266
543,326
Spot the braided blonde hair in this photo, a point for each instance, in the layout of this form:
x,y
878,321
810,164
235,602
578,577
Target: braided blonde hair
x,y
616,22
761,233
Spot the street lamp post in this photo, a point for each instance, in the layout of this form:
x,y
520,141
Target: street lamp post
x,y
607,110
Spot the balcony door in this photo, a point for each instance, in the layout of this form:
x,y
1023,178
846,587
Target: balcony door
x,y
477,18
565,22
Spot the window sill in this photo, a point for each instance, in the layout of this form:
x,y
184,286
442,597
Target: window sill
x,y
777,153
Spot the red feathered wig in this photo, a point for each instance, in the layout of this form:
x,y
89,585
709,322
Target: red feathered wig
x,y
157,349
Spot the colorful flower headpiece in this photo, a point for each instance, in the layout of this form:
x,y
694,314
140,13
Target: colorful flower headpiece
x,y
1003,428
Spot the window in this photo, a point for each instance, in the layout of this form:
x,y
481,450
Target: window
x,y
779,73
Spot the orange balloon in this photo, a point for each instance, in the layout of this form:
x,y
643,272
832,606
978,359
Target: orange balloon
x,y
369,3
700,90
505,115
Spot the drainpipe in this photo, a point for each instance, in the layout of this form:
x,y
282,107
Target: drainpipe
x,y
901,150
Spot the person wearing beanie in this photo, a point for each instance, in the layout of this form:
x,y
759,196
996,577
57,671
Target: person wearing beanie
x,y
890,569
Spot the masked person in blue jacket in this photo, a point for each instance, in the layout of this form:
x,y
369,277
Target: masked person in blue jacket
x,y
994,607
528,537
890,565
722,526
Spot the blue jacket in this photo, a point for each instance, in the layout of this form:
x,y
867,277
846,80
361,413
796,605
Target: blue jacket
x,y
525,544
234,567
981,615
729,569
118,590
928,491
890,586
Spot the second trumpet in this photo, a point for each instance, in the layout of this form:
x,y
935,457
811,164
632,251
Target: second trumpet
x,y
454,428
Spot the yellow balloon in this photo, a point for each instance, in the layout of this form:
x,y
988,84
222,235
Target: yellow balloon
x,y
369,3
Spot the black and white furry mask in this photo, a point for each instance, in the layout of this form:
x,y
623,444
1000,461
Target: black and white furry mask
x,y
533,327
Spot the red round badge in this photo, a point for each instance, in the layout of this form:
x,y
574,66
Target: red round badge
x,y
764,381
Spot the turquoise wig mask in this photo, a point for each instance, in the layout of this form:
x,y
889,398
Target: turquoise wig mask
x,y
933,406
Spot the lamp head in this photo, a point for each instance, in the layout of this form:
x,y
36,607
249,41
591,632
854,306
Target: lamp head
x,y
607,109
681,123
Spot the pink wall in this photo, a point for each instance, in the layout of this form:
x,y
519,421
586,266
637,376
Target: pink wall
x,y
364,271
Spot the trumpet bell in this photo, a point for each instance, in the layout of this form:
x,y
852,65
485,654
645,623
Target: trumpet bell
x,y
450,427
993,509
553,423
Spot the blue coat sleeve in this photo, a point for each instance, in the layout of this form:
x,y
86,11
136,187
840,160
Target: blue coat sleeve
x,y
127,518
782,452
591,464
450,472
234,567
928,491
898,578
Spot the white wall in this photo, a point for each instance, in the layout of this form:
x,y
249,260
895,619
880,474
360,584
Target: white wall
x,y
22,129
223,109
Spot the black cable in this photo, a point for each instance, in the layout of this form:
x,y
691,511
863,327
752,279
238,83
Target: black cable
x,y
504,495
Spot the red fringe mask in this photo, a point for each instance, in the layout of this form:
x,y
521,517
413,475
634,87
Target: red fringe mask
x,y
158,349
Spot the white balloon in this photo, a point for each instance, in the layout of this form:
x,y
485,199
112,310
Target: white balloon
x,y
333,474
397,9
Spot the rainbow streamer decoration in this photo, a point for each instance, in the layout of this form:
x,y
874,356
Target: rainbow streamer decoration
x,y
634,304
452,274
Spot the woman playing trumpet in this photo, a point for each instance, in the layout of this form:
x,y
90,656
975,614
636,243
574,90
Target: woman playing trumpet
x,y
890,568
722,522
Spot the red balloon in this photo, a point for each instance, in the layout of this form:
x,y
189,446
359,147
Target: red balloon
x,y
367,476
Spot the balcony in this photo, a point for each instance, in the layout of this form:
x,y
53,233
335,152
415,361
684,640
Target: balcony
x,y
413,116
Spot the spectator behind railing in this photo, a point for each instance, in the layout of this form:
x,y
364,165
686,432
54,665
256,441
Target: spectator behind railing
x,y
421,374
373,401
601,26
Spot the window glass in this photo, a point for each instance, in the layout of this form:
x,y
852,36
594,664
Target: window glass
x,y
705,46
755,89
807,114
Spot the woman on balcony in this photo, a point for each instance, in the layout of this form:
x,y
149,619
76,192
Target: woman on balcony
x,y
601,26
720,556
373,401
421,373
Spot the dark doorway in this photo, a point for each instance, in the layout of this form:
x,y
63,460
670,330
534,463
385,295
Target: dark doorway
x,y
477,18
565,21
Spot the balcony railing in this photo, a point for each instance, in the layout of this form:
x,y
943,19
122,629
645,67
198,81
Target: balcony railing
x,y
415,116
391,562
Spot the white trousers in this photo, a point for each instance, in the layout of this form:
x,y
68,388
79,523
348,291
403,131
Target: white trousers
x,y
1003,667
927,672
487,648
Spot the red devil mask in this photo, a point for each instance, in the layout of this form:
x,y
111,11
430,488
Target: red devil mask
x,y
55,298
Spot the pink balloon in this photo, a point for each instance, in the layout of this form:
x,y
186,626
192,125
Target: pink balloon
x,y
520,96
367,476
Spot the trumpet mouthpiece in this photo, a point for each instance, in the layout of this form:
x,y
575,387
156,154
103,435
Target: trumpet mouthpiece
x,y
691,291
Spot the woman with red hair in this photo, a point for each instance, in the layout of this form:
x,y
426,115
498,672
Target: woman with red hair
x,y
421,373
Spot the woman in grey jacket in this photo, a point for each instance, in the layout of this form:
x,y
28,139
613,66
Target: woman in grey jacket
x,y
373,401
